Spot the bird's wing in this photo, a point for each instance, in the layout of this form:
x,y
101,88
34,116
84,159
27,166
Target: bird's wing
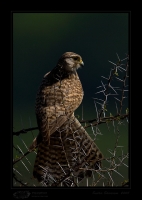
x,y
56,102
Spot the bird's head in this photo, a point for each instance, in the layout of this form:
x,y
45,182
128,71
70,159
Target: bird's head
x,y
70,62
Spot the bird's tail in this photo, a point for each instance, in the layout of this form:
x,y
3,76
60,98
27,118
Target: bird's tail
x,y
71,152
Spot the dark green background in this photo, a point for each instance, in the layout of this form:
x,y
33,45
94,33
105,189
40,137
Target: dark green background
x,y
39,39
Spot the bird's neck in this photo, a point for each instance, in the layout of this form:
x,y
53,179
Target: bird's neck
x,y
59,74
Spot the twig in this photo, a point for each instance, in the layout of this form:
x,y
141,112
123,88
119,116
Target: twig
x,y
25,154
102,120
25,130
19,181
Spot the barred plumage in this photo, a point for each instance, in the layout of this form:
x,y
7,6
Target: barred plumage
x,y
64,146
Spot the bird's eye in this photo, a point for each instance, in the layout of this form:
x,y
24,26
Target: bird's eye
x,y
76,58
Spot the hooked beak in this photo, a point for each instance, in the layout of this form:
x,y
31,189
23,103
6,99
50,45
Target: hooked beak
x,y
82,63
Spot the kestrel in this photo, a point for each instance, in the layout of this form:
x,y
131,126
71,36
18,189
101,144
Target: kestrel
x,y
64,147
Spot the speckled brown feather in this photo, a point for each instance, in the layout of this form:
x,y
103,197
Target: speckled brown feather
x,y
56,102
71,148
64,144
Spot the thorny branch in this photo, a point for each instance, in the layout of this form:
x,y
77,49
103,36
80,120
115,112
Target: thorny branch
x,y
108,87
16,149
123,87
19,181
25,154
102,120
25,131
67,175
109,169
106,120
97,121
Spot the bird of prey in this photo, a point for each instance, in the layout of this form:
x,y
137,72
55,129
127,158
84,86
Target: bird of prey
x,y
65,150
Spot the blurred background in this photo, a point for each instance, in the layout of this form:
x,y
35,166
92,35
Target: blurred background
x,y
39,39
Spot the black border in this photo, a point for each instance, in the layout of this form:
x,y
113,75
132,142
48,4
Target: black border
x,y
60,192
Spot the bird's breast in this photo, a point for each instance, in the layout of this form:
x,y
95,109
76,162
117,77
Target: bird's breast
x,y
72,92
64,96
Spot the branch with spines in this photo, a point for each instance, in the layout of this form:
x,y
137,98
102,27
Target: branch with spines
x,y
99,120
108,86
101,171
103,120
19,181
